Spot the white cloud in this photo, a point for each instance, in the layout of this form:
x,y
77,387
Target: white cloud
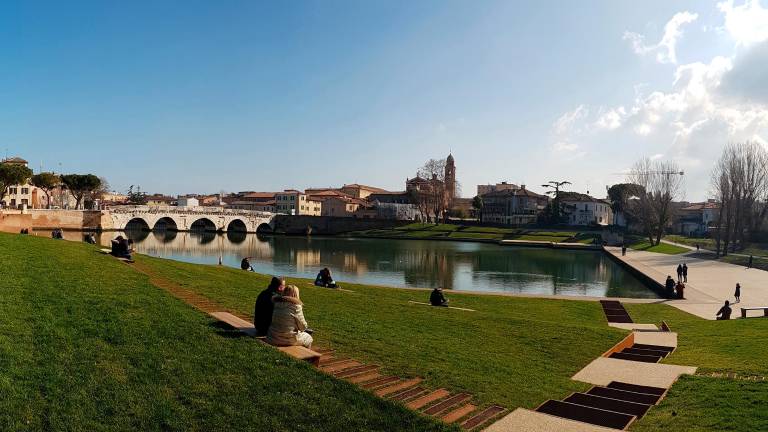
x,y
666,49
567,121
565,146
611,119
657,156
746,24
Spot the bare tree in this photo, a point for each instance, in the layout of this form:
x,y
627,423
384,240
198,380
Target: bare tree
x,y
434,190
740,184
659,184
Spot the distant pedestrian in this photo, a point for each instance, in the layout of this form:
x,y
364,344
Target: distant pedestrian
x,y
679,272
685,272
245,264
623,249
697,247
724,313
737,294
749,264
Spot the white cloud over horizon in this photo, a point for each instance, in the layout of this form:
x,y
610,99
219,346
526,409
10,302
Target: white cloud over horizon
x,y
708,103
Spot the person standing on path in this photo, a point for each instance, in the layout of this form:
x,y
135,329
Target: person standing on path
x,y
749,264
623,249
737,294
697,247
685,272
679,273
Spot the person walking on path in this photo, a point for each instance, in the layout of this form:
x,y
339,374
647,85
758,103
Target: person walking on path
x,y
623,249
679,273
724,313
737,294
685,272
697,247
749,264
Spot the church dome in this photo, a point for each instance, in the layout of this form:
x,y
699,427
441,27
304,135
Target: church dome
x,y
449,159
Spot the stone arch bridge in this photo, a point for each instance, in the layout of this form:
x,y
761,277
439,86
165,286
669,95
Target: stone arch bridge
x,y
191,218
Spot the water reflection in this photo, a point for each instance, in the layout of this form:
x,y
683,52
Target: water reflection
x,y
412,263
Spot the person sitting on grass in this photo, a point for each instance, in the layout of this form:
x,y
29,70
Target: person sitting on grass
x,y
262,310
437,298
245,264
288,326
725,312
324,279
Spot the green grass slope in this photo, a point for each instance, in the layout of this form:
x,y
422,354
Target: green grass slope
x,y
86,343
512,351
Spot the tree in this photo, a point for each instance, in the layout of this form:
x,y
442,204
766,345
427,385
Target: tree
x,y
659,185
80,185
477,204
740,184
553,212
136,197
46,181
12,174
620,195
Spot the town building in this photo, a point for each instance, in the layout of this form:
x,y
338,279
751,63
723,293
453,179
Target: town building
x,y
159,200
419,186
294,202
342,206
696,219
485,189
263,206
25,195
187,201
512,206
360,191
581,209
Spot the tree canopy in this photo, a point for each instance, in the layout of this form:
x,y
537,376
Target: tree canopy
x,y
80,184
46,181
12,174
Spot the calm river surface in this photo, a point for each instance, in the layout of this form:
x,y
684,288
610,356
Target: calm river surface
x,y
404,263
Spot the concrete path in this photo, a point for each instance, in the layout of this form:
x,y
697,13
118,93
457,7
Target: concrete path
x,y
522,419
603,370
710,282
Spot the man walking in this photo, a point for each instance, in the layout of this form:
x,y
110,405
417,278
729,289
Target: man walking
x,y
685,272
679,273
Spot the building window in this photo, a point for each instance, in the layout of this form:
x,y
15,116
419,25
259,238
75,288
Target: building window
x,y
293,197
24,202
13,191
24,191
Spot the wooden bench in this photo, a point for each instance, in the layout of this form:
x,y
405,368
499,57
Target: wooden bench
x,y
762,308
297,352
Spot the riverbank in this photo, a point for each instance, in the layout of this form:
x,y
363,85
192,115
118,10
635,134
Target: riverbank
x,y
94,344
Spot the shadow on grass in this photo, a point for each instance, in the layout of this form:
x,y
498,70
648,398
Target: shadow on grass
x,y
226,331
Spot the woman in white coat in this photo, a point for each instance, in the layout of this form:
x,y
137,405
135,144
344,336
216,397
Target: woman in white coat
x,y
288,323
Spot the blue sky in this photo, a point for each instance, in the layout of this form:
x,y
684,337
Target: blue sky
x,y
183,97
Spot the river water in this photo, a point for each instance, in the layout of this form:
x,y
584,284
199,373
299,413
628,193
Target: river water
x,y
403,263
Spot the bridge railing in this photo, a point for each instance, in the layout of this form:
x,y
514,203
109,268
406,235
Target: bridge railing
x,y
187,210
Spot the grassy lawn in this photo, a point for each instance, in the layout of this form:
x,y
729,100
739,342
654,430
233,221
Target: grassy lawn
x,y
86,343
511,351
665,248
706,403
467,232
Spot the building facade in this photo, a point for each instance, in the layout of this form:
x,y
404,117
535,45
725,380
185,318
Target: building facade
x,y
294,202
696,219
512,206
485,189
583,210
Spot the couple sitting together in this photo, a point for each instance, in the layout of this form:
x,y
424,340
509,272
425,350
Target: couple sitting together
x,y
279,315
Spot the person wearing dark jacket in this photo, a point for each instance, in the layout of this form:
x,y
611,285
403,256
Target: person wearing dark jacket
x,y
685,272
262,310
724,313
245,264
437,298
679,272
670,286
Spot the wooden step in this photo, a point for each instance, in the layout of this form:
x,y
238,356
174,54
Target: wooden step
x,y
642,398
654,347
363,378
408,394
326,358
324,351
301,353
642,351
235,322
624,320
483,417
458,413
659,391
428,398
586,414
380,382
355,371
340,366
635,357
616,405
402,385
447,404
334,360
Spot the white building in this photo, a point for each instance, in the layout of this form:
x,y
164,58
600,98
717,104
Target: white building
x,y
584,210
187,202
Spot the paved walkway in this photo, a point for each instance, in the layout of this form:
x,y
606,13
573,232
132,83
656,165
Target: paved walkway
x,y
710,282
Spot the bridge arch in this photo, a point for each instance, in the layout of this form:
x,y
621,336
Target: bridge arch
x,y
237,225
264,228
166,223
203,224
136,224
